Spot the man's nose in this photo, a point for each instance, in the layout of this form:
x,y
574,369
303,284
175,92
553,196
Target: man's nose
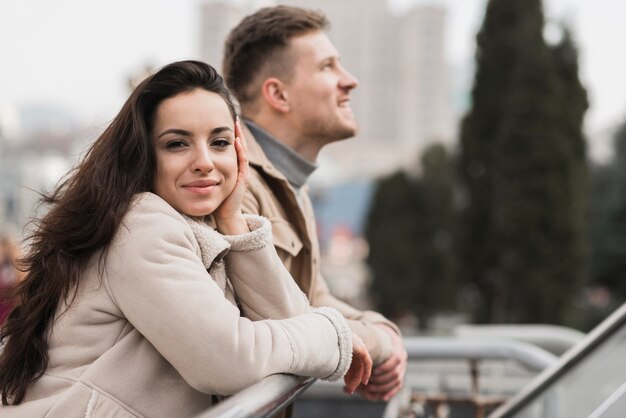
x,y
347,80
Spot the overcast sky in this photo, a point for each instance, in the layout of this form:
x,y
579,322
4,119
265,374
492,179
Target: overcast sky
x,y
77,54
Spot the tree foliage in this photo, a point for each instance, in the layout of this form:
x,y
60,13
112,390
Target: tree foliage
x,y
410,233
608,235
522,171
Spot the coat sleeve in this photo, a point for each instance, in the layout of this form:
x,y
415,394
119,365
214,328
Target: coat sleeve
x,y
366,324
158,282
263,286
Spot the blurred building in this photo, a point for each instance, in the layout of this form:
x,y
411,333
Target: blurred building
x,y
217,19
37,147
424,98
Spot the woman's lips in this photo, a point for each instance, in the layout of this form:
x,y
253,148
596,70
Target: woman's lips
x,y
201,186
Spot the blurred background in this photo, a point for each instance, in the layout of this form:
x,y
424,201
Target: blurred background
x,y
487,183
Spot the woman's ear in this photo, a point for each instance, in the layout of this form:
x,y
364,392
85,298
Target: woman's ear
x,y
275,95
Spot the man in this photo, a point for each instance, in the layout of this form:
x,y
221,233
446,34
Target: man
x,y
295,99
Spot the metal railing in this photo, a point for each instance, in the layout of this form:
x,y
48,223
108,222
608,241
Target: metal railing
x,y
272,394
441,348
554,338
263,399
577,354
529,356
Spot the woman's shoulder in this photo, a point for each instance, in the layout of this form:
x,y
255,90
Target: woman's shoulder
x,y
150,217
148,202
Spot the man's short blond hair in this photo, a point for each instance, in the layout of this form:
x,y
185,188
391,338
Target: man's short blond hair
x,y
257,47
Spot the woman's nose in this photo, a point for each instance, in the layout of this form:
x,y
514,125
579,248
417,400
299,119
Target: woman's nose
x,y
202,161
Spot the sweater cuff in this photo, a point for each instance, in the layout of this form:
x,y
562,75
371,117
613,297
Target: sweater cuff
x,y
344,336
260,235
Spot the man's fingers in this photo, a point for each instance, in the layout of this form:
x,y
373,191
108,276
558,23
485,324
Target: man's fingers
x,y
387,366
374,392
367,394
382,389
392,393
385,378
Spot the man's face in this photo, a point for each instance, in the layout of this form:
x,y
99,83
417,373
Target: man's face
x,y
319,90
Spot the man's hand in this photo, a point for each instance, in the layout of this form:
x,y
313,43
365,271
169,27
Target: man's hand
x,y
388,377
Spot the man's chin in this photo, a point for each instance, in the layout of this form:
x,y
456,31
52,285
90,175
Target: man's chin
x,y
349,131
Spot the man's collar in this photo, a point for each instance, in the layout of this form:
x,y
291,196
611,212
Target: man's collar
x,y
268,152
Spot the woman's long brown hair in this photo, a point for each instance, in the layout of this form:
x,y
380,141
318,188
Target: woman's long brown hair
x,y
85,211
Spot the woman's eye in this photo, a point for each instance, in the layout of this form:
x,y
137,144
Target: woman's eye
x,y
175,144
220,142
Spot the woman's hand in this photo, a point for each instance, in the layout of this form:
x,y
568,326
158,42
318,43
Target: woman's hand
x,y
388,377
360,368
228,216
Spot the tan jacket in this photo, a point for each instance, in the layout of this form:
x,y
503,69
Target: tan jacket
x,y
295,237
155,335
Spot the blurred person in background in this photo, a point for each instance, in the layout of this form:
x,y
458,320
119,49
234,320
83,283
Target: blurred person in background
x,y
126,309
9,272
295,99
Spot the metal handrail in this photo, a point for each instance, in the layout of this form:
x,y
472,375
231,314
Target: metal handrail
x,y
472,350
272,394
262,399
575,355
454,348
554,338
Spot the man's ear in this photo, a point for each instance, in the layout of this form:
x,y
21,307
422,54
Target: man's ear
x,y
275,95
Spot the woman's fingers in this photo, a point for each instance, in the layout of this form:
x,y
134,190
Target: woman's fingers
x,y
361,367
242,158
239,134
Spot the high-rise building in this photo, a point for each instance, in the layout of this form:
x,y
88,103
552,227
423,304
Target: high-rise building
x,y
423,98
217,19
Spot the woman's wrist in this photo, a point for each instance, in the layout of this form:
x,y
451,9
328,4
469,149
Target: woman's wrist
x,y
235,225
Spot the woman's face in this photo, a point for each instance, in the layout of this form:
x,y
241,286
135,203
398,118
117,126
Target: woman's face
x,y
196,161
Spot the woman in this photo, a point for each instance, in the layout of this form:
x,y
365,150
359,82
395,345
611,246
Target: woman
x,y
126,309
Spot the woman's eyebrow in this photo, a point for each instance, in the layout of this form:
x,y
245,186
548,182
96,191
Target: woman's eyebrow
x,y
183,132
221,129
175,131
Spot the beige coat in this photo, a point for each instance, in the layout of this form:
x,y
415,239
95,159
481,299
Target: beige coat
x,y
155,335
295,237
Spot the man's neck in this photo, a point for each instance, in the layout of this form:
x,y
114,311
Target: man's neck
x,y
307,148
294,167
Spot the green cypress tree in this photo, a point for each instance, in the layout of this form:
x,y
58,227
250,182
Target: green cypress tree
x,y
521,165
575,247
410,233
609,210
389,231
